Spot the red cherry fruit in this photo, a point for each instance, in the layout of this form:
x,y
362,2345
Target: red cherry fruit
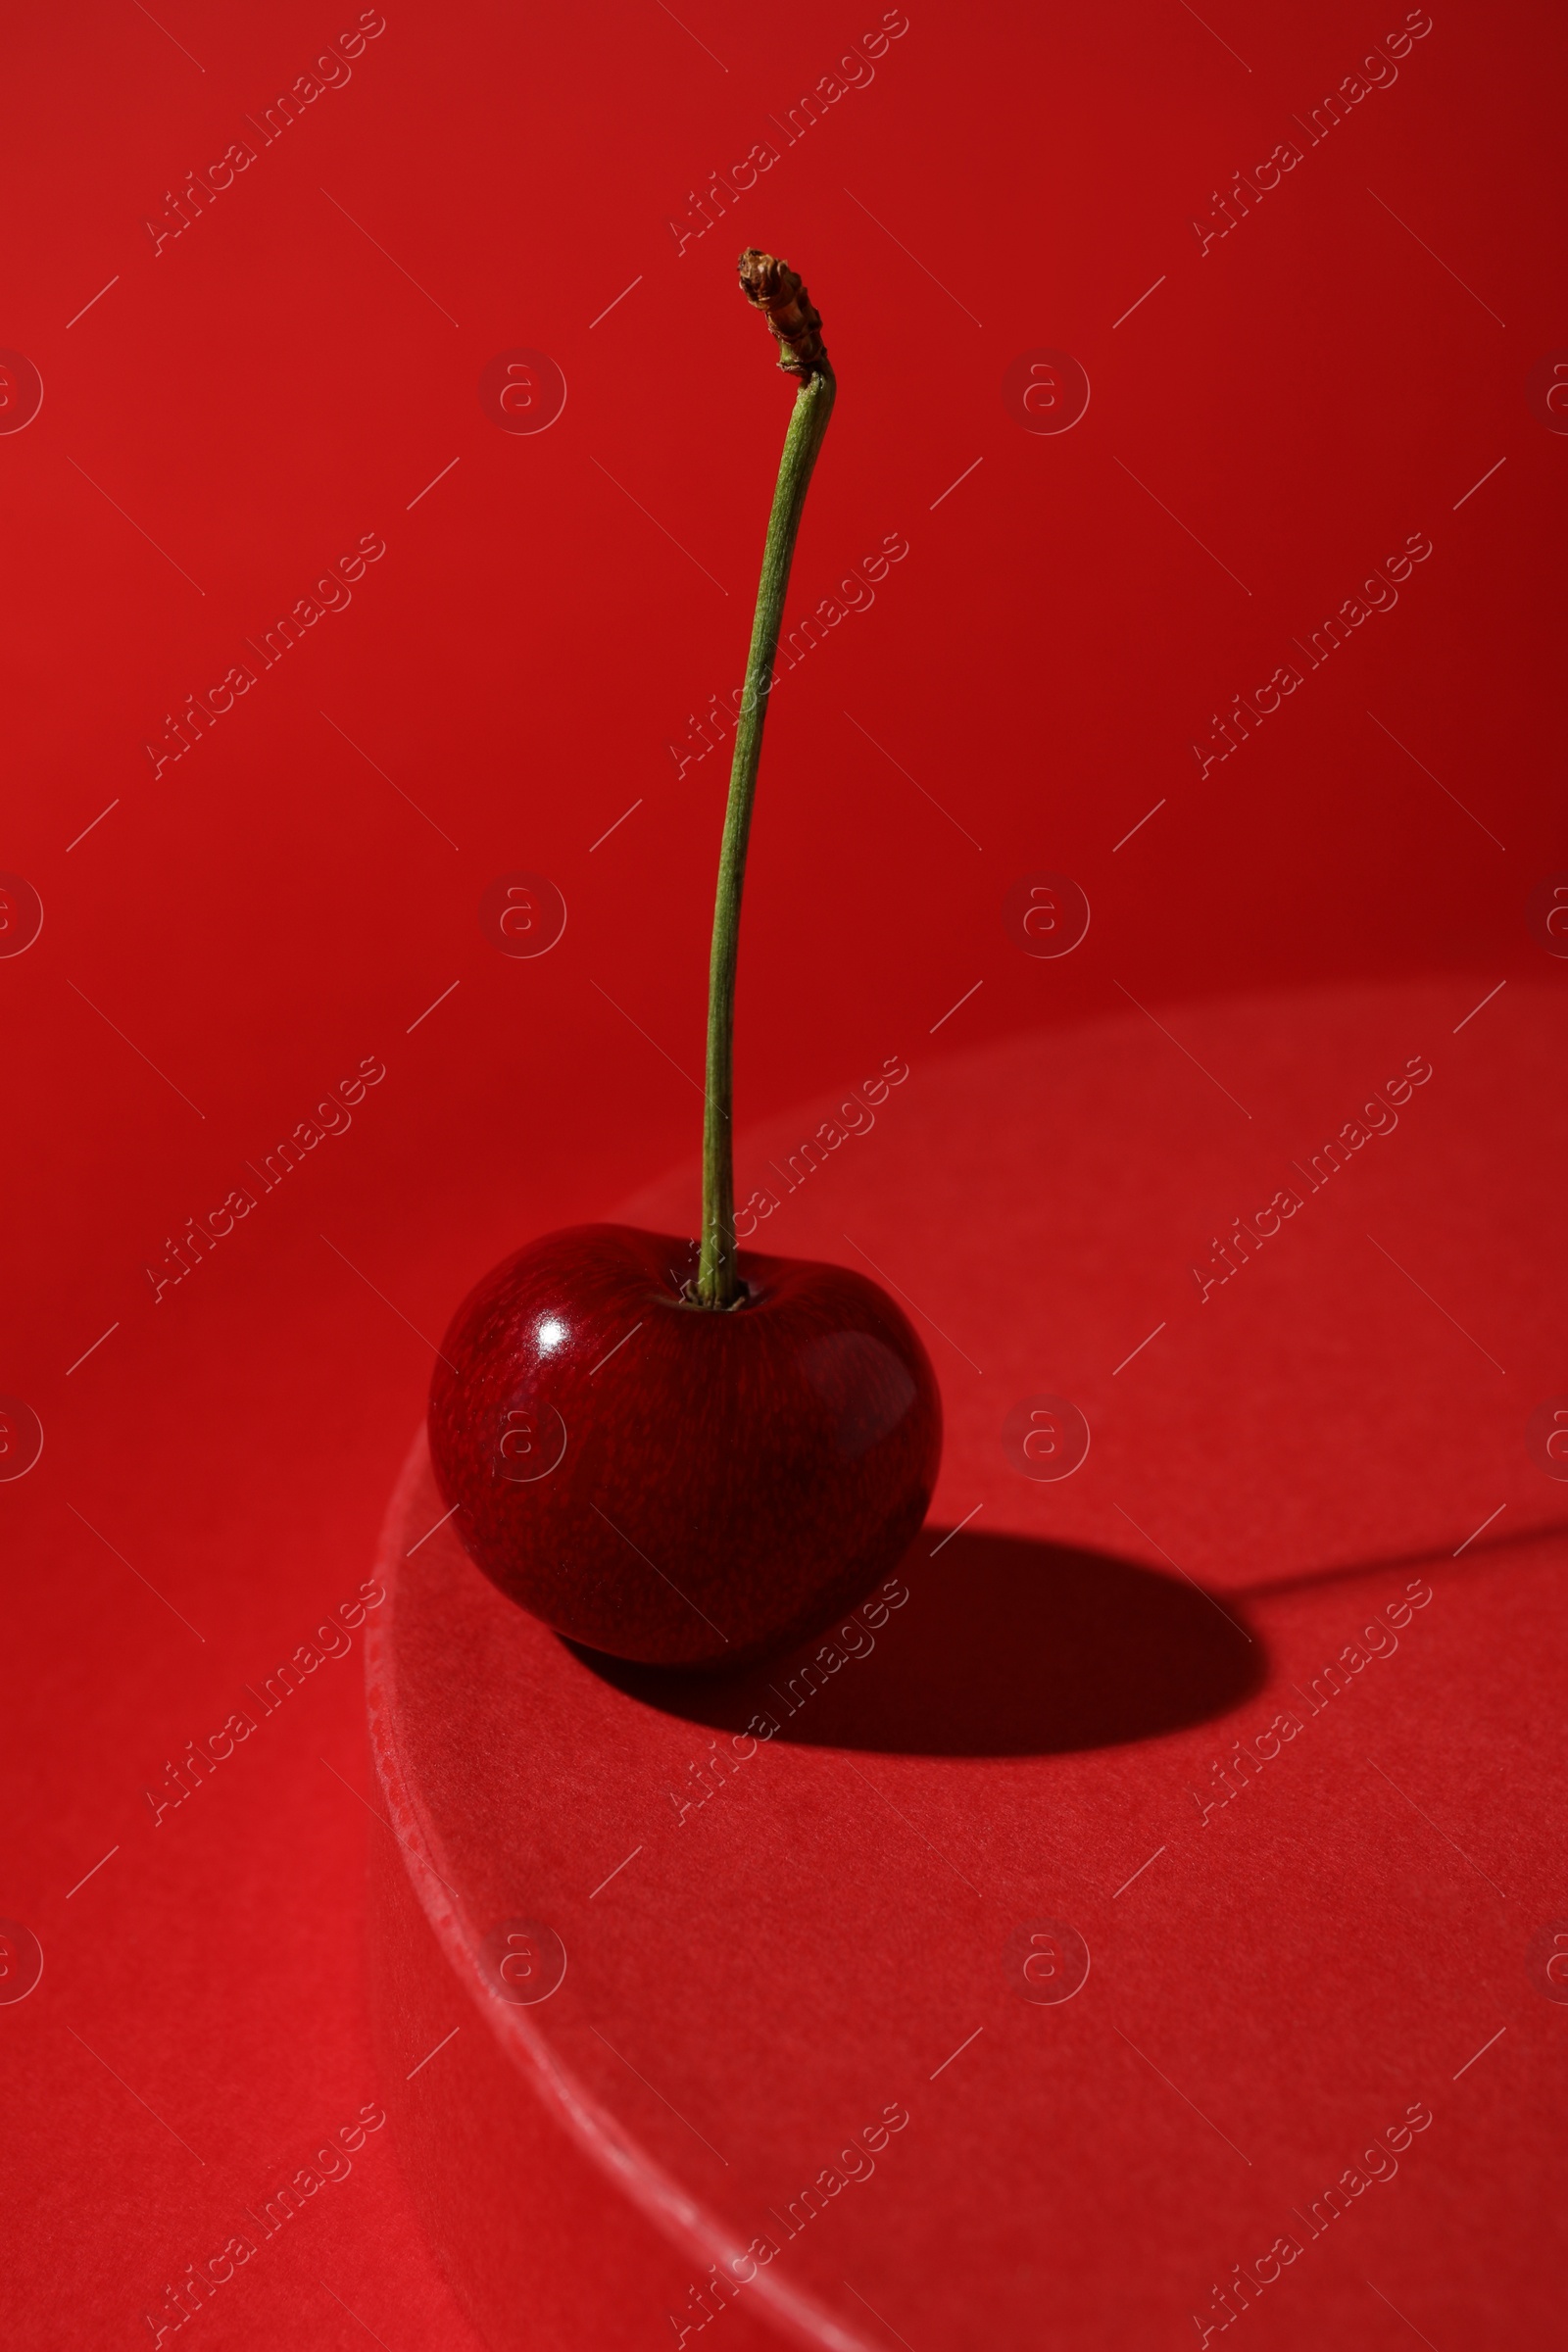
x,y
672,1483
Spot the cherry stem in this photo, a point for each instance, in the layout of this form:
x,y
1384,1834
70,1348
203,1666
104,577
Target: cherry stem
x,y
773,287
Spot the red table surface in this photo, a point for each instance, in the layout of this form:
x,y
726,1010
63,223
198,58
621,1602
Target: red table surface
x,y
1285,1813
227,411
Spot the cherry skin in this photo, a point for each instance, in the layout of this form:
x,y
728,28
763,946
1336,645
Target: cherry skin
x,y
679,1485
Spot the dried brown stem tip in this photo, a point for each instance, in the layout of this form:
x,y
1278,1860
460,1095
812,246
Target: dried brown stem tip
x,y
773,287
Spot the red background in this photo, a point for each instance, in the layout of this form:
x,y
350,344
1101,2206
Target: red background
x,y
238,409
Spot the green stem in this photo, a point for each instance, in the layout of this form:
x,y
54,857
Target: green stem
x,y
717,1281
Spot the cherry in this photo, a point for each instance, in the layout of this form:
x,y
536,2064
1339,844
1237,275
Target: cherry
x,y
671,1484
688,1464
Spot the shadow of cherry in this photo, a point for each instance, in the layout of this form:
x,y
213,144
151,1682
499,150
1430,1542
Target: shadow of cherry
x,y
1004,1646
